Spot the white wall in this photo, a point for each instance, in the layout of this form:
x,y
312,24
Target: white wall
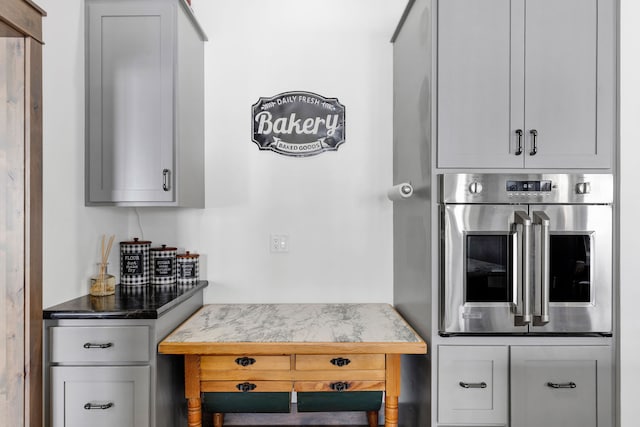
x,y
71,231
630,207
332,206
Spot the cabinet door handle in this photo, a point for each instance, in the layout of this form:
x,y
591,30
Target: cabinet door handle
x,y
339,386
92,345
166,179
245,361
473,385
92,406
570,384
340,361
519,133
245,387
534,142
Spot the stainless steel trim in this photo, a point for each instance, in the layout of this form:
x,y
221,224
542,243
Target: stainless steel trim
x,y
454,189
542,222
523,304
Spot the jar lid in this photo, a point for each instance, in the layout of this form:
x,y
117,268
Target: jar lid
x,y
187,255
164,248
136,241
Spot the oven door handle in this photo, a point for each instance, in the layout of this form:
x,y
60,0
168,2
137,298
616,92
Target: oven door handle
x,y
542,222
523,301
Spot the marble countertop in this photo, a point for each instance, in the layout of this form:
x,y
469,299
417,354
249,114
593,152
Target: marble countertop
x,y
129,302
302,324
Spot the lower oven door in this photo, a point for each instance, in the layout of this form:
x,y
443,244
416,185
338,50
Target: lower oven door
x,y
481,253
577,292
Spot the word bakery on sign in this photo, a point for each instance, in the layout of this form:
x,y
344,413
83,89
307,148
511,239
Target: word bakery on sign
x,y
298,124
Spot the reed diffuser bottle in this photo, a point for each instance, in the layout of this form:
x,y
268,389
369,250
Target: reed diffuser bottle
x,y
103,283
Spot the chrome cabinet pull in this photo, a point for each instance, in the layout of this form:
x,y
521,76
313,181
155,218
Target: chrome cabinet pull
x,y
519,133
340,361
245,361
92,345
245,387
473,385
339,386
534,142
542,221
92,406
523,232
570,384
166,174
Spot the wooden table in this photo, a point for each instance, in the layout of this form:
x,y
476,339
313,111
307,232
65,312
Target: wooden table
x,y
293,347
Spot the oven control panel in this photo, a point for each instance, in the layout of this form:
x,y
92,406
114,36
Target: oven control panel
x,y
526,188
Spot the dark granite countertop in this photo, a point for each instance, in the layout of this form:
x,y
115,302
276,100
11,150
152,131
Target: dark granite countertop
x,y
129,302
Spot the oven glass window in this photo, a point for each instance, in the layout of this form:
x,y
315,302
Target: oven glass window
x,y
488,268
570,265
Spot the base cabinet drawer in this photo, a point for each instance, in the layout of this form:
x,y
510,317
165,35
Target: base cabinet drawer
x,y
100,396
473,384
94,344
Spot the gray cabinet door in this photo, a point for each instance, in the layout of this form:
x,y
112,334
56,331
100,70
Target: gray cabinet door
x,y
100,396
561,84
544,67
561,386
473,384
475,124
130,59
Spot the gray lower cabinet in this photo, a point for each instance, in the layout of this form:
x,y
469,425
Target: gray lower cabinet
x,y
537,385
145,104
107,372
100,396
561,386
526,83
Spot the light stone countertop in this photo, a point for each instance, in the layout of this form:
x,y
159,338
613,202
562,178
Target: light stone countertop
x,y
294,323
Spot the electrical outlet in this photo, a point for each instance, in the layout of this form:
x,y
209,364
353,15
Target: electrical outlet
x,y
279,243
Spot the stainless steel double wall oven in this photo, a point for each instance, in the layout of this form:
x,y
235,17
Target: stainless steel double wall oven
x,y
526,254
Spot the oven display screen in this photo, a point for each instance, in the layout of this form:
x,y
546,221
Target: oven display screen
x,y
528,185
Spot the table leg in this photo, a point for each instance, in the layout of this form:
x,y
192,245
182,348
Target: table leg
x,y
192,390
392,390
372,418
194,412
218,419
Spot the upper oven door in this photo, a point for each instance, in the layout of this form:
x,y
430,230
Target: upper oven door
x,y
482,268
576,296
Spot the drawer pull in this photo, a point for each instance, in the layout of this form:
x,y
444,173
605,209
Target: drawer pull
x,y
245,387
570,384
339,386
473,385
91,406
340,361
92,345
245,361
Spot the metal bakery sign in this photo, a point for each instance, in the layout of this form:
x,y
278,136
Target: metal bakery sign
x,y
298,124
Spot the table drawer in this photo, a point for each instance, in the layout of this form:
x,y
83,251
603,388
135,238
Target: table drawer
x,y
313,386
245,363
245,386
308,362
80,344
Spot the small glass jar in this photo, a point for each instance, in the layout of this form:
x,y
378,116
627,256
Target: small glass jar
x,y
103,283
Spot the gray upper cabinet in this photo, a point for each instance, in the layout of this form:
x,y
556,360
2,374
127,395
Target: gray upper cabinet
x,y
526,83
145,104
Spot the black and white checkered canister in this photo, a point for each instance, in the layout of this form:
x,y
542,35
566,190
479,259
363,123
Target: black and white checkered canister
x,y
188,268
163,265
134,262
